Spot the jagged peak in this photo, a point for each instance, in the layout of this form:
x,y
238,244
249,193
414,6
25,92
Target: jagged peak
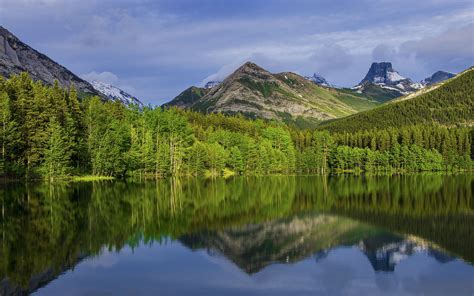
x,y
382,72
318,79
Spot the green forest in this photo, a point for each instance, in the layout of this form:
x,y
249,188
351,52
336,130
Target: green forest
x,y
49,132
450,104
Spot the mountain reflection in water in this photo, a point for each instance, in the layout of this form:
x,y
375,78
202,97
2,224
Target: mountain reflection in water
x,y
253,222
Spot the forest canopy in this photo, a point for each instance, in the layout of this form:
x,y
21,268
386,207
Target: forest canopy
x,y
47,132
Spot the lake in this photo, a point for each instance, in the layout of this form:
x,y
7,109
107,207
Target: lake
x,y
280,235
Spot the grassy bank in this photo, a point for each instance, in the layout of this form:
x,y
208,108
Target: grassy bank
x,y
90,178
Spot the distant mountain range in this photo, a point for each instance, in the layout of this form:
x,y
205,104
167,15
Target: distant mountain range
x,y
250,90
257,93
297,238
383,83
17,57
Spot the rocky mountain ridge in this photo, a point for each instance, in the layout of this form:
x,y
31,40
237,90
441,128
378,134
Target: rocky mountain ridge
x,y
17,57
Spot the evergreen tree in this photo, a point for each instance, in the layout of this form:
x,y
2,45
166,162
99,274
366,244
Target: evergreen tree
x,y
56,162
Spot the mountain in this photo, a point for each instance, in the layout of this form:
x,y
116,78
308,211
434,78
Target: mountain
x,y
383,83
115,94
448,103
257,93
17,57
211,84
318,79
289,240
437,77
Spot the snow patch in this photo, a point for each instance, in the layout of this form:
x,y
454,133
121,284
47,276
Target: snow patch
x,y
394,76
115,93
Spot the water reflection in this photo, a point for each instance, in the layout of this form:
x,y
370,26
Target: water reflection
x,y
253,222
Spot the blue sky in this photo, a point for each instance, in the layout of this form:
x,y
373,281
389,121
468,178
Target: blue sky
x,y
156,49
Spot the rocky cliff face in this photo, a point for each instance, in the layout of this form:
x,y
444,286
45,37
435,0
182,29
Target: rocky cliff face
x,y
17,57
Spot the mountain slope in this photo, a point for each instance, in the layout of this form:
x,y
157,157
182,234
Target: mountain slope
x,y
452,103
188,97
257,93
430,85
115,94
17,57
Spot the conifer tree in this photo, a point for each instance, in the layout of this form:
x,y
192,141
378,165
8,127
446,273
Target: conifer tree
x,y
57,154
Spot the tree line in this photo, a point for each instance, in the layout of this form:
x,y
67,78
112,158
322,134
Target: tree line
x,y
48,132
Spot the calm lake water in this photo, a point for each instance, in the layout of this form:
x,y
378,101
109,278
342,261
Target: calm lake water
x,y
344,235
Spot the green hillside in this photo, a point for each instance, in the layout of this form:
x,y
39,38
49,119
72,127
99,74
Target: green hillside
x,y
189,96
450,104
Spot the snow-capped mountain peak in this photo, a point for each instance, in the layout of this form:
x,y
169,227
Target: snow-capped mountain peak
x,y
383,75
317,79
115,93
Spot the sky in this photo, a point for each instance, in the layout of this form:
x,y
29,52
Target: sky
x,y
156,49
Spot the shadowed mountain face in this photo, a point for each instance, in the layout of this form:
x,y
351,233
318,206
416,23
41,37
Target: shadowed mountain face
x,y
17,57
257,93
437,77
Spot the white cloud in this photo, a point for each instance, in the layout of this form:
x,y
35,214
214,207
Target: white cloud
x,y
453,48
107,77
